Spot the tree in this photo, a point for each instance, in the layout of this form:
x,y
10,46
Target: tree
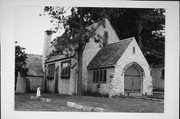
x,y
20,62
145,24
75,35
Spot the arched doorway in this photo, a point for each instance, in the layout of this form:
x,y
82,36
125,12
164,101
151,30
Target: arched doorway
x,y
133,75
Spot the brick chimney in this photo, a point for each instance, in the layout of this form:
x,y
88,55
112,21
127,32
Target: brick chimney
x,y
46,47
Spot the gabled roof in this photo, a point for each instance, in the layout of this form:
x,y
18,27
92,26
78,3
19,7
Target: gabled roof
x,y
34,65
110,54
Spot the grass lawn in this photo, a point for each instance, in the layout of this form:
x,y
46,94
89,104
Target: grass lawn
x,y
58,103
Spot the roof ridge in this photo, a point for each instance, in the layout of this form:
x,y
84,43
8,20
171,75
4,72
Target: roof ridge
x,y
122,40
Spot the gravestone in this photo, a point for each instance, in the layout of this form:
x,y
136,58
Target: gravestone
x,y
38,93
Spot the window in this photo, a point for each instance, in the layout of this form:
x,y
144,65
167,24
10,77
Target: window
x,y
65,69
99,76
94,76
133,50
104,77
162,74
51,68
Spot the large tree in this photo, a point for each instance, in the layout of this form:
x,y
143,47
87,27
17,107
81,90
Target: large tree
x,y
76,34
20,62
145,24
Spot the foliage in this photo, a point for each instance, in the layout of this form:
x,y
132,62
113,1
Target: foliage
x,y
147,25
20,62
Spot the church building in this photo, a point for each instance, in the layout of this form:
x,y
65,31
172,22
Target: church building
x,y
113,67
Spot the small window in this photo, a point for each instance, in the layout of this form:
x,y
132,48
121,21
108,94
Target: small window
x,y
99,76
104,76
51,68
133,50
162,74
65,69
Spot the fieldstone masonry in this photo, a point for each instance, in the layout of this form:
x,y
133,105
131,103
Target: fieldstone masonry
x,y
114,85
117,84
92,47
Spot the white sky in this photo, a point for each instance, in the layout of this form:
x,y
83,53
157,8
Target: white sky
x,y
30,27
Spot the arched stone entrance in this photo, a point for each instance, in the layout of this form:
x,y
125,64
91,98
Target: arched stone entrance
x,y
133,78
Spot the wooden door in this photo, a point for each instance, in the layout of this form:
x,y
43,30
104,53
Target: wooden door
x,y
132,80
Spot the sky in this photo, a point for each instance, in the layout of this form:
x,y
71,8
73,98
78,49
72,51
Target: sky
x,y
30,27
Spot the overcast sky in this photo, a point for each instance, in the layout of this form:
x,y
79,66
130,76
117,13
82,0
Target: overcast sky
x,y
30,27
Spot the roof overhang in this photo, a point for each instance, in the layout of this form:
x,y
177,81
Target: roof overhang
x,y
96,68
59,59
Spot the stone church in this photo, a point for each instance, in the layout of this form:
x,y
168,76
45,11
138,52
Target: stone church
x,y
113,66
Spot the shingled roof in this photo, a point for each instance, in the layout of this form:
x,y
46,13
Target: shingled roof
x,y
109,55
34,65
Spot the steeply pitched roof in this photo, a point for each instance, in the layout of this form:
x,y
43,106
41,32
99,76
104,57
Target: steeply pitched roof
x,y
110,54
34,65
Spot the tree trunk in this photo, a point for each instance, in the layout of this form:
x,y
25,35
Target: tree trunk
x,y
139,35
15,83
15,80
80,58
80,55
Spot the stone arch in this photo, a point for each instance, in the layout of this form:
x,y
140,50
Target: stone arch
x,y
136,65
138,68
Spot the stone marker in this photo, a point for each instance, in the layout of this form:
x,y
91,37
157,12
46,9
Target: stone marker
x,y
87,108
97,109
80,107
48,100
70,104
38,93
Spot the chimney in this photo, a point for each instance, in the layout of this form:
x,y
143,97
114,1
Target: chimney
x,y
46,47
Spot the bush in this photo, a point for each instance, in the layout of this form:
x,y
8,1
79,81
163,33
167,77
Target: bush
x,y
158,89
95,94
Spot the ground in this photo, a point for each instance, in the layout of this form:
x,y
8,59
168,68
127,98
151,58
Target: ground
x,y
58,103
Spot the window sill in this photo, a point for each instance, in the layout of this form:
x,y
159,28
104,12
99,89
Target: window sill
x,y
50,77
65,77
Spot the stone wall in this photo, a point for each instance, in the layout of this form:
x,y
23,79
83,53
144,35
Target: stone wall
x,y
104,87
117,85
157,81
21,84
90,51
92,48
34,82
65,86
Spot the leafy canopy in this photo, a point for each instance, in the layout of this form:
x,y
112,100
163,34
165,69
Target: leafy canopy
x,y
146,25
20,60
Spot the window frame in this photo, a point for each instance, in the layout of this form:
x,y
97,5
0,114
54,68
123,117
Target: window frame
x,y
134,50
99,76
66,71
51,70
